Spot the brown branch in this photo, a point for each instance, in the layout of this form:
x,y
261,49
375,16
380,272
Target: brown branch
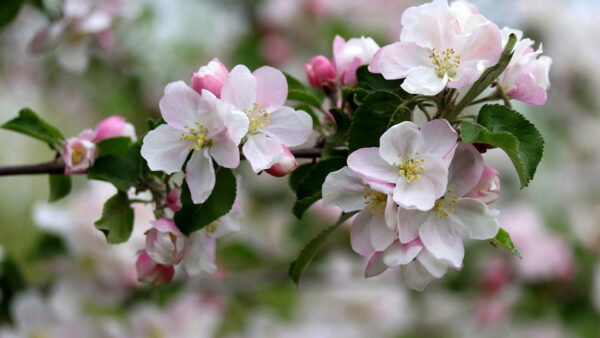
x,y
58,167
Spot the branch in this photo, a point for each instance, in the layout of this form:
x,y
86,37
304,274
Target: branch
x,y
58,167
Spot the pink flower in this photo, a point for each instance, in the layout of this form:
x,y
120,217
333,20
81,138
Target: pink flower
x,y
164,242
453,216
321,73
439,46
173,199
287,164
210,77
261,95
488,187
203,124
149,271
412,162
351,54
527,76
374,228
79,152
114,126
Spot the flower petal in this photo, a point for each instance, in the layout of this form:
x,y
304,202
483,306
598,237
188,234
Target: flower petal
x,y
424,80
344,188
416,276
288,126
475,218
163,150
224,150
375,266
199,254
403,138
440,139
409,223
442,240
271,88
179,105
437,268
465,170
200,176
416,194
262,152
360,239
369,164
397,60
240,88
391,213
401,254
381,236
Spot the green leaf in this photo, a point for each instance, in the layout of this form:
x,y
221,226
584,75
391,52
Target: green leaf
x,y
122,171
118,146
117,219
486,79
60,186
12,282
354,96
9,10
379,111
374,81
342,122
311,249
502,127
298,175
297,91
47,246
503,240
301,205
28,123
194,217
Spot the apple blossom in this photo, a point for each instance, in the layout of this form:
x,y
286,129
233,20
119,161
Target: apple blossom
x,y
173,199
351,54
320,73
79,152
488,187
440,229
527,75
208,127
374,228
210,77
151,272
285,166
412,161
261,95
114,126
164,242
440,45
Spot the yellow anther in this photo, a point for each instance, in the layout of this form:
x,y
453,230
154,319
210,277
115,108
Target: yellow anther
x,y
410,167
211,228
198,136
77,154
375,201
445,63
439,207
258,118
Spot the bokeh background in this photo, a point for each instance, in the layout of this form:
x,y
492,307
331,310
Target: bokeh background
x,y
70,281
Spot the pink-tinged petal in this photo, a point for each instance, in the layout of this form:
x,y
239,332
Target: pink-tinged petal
x,y
400,140
113,126
528,90
436,171
348,78
262,152
287,165
179,105
439,139
237,124
151,272
320,72
173,199
442,240
166,225
397,60
200,176
344,188
360,238
409,223
401,254
415,276
164,242
369,164
437,268
288,126
427,24
391,212
224,150
485,44
375,266
384,188
465,74
424,80
47,38
421,193
163,150
271,88
106,39
488,187
338,47
240,88
475,218
381,236
465,170
199,254
208,82
73,56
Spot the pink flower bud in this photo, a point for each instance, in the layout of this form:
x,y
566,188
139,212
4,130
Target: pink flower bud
x,y
150,272
285,166
114,126
164,242
320,72
210,77
488,188
79,152
173,200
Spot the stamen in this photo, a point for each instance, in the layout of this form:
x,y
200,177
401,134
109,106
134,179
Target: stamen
x,y
410,167
198,136
258,118
445,63
375,201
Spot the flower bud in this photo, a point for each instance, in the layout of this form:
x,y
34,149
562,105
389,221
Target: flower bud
x,y
210,77
320,72
150,272
165,243
287,164
488,188
173,200
79,152
114,126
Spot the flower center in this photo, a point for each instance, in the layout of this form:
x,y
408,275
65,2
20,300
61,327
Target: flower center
x,y
442,207
259,119
410,167
77,154
375,201
445,63
211,228
198,135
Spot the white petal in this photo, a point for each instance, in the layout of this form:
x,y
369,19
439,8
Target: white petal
x,y
376,266
474,216
465,170
444,242
416,194
262,152
381,235
344,188
400,139
401,254
199,254
424,81
163,150
369,164
179,105
360,239
436,171
73,56
409,223
440,138
224,150
240,88
396,61
237,124
288,126
271,88
416,276
200,176
391,213
436,267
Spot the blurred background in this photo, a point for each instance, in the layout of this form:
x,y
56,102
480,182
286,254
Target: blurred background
x,y
71,283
